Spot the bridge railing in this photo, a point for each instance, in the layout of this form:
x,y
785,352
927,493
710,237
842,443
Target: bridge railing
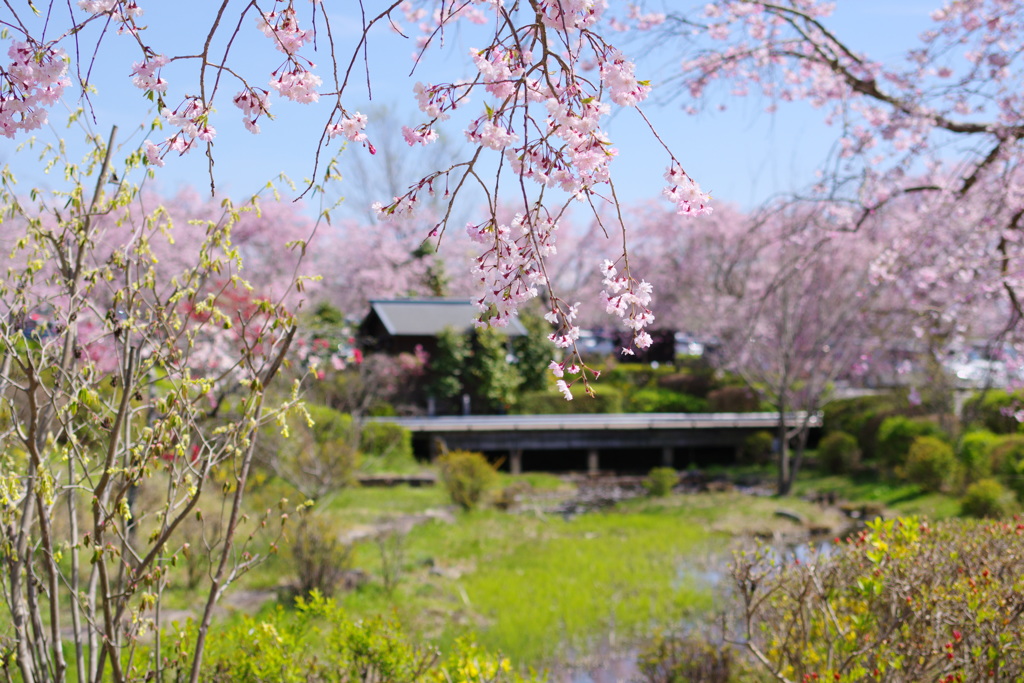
x,y
611,421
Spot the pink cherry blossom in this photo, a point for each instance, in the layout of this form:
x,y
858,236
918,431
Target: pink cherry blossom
x,y
419,136
298,85
564,388
145,77
283,28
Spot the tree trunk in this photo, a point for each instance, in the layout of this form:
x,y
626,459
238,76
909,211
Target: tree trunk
x,y
785,478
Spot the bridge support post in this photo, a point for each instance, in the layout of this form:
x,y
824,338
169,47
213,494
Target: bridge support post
x,y
668,457
515,461
593,464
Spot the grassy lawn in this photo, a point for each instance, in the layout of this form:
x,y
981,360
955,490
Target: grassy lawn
x,y
534,586
538,587
900,498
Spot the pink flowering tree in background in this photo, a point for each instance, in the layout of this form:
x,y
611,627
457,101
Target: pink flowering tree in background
x,y
797,309
793,302
362,261
936,134
681,258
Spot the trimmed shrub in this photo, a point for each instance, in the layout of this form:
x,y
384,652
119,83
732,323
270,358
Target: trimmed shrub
x,y
665,401
382,409
1008,461
549,402
697,382
862,417
838,453
734,399
389,444
993,409
848,414
660,481
867,433
330,425
987,498
634,375
931,463
975,455
896,435
466,476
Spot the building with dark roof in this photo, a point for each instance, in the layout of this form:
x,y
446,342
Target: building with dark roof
x,y
400,325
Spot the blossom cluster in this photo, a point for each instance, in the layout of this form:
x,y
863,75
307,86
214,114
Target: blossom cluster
x,y
145,76
571,14
685,193
628,299
254,104
122,12
297,84
559,370
563,316
511,268
192,118
34,80
491,135
283,28
420,135
350,127
617,74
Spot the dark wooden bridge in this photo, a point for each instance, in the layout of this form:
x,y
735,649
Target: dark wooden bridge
x,y
671,434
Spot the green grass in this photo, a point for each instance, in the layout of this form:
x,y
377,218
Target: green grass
x,y
533,586
358,504
901,498
538,481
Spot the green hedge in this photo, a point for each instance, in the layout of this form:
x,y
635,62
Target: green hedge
x,y
388,444
665,401
862,417
838,453
734,399
329,425
993,410
989,499
897,434
1008,462
607,400
975,454
931,464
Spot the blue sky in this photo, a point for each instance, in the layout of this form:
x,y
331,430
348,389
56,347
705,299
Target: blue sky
x,y
741,155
